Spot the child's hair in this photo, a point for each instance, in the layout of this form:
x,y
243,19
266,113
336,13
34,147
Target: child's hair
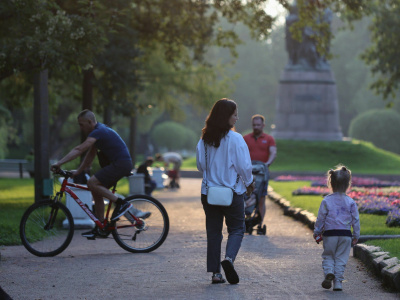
x,y
339,179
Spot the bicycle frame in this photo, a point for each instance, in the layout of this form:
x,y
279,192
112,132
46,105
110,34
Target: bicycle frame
x,y
105,225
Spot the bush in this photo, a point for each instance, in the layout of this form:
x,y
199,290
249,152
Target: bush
x,y
174,136
379,126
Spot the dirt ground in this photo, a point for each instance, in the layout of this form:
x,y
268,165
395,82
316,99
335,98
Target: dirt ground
x,y
284,264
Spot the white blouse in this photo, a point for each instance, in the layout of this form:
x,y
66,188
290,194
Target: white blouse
x,y
224,163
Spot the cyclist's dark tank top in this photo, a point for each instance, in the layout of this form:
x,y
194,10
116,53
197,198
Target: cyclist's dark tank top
x,y
110,143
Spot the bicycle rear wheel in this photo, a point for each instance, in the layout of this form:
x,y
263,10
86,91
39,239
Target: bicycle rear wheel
x,y
46,228
151,234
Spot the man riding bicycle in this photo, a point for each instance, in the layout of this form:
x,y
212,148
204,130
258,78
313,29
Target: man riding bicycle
x,y
115,161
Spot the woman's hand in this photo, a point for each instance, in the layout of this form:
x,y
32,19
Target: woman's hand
x,y
250,189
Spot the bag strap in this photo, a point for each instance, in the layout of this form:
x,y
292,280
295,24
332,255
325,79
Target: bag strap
x,y
205,154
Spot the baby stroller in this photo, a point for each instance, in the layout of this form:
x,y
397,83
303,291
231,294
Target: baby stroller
x,y
253,217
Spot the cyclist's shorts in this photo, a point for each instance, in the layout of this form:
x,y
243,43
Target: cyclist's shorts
x,y
113,172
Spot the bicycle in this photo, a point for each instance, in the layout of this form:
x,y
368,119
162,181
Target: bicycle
x,y
47,227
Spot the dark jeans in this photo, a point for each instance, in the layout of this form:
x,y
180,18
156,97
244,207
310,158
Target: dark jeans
x,y
234,219
149,187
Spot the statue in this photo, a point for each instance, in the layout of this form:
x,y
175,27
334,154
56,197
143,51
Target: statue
x,y
304,55
307,105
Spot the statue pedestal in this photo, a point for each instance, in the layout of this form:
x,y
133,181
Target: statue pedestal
x,y
307,106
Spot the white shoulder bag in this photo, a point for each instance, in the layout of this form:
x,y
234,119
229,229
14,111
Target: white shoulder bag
x,y
219,195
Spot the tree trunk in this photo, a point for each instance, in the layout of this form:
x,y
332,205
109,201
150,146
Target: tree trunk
x,y
132,138
41,136
107,116
87,89
87,97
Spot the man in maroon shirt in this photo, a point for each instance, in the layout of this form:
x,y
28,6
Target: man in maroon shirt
x,y
262,148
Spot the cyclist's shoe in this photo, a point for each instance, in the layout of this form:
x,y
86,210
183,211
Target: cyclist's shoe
x,y
140,214
137,213
120,210
90,235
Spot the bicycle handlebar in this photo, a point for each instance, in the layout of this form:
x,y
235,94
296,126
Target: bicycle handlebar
x,y
65,173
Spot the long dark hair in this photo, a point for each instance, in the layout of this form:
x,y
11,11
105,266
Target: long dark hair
x,y
217,122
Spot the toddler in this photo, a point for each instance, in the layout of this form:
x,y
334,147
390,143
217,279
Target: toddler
x,y
337,214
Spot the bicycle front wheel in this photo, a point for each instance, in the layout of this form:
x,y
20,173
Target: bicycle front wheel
x,y
46,228
151,234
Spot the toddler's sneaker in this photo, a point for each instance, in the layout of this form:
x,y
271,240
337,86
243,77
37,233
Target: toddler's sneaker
x,y
327,283
337,285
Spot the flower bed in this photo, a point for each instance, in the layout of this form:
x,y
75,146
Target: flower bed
x,y
354,192
361,182
371,195
308,190
297,178
374,205
355,181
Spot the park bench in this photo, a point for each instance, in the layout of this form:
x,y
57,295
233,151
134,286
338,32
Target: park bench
x,y
14,165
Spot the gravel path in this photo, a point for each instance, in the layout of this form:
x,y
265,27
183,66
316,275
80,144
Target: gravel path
x,y
285,264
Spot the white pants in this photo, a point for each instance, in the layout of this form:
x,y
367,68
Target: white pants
x,y
335,255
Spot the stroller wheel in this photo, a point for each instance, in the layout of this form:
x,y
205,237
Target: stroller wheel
x,y
249,229
264,229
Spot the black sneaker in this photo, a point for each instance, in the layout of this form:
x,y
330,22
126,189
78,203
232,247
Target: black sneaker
x,y
90,235
120,210
229,270
327,283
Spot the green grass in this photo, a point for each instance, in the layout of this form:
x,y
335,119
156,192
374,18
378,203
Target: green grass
x,y
309,203
299,156
16,196
391,245
189,163
360,157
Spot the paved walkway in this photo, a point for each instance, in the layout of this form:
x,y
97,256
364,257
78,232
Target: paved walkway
x,y
285,264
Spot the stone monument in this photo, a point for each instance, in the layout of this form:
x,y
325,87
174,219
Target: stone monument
x,y
307,105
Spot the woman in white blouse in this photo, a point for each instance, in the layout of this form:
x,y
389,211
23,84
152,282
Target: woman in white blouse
x,y
227,157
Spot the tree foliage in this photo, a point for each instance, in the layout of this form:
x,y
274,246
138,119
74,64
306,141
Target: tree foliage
x,y
311,12
47,34
41,34
379,126
174,136
162,47
5,118
382,56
